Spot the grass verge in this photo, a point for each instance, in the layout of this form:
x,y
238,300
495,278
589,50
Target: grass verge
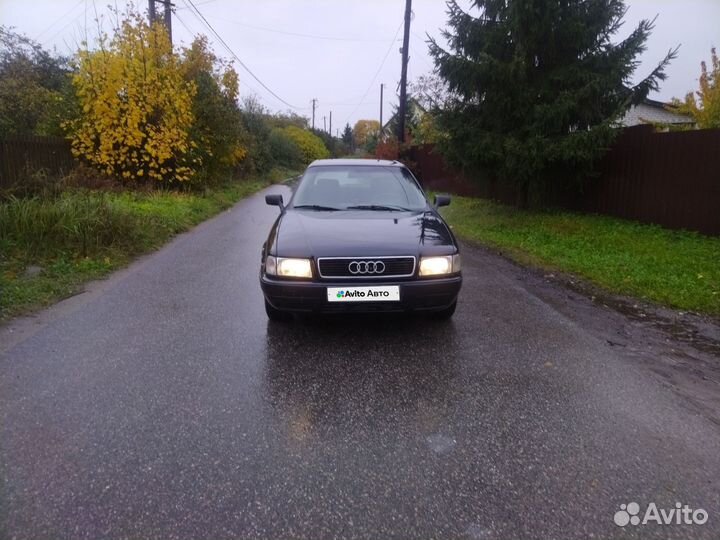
x,y
675,268
83,235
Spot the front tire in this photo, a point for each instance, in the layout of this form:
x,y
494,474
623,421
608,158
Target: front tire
x,y
275,314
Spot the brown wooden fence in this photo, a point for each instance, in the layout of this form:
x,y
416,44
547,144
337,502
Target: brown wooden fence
x,y
22,156
671,179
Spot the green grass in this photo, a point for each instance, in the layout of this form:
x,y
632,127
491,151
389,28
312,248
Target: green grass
x,y
675,268
83,235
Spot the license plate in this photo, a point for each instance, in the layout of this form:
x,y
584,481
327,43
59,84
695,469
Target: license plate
x,y
387,293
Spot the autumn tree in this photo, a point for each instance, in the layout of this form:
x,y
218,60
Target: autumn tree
x,y
254,117
365,131
36,94
136,105
430,92
537,86
285,150
310,145
705,110
217,131
288,118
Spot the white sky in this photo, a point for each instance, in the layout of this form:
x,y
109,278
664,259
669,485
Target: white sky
x,y
345,41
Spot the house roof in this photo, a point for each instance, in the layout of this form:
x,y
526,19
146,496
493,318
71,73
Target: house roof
x,y
650,111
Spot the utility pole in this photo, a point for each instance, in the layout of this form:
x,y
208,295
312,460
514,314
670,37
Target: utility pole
x,y
381,104
168,18
325,123
330,130
167,14
402,109
314,102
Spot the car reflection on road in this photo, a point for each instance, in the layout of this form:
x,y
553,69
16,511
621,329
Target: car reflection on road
x,y
365,377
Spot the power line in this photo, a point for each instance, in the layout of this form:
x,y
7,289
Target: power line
x,y
372,81
227,47
309,36
193,32
67,25
60,18
199,4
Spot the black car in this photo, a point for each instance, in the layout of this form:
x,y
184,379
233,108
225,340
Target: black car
x,y
359,235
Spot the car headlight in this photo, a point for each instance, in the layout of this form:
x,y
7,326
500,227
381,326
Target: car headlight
x,y
438,266
288,267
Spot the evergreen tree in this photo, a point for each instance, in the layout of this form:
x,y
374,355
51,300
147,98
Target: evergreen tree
x,y
538,86
347,136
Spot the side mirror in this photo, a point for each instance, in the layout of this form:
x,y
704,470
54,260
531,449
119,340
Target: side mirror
x,y
274,200
442,200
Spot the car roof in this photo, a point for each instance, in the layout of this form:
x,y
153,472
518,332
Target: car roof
x,y
355,162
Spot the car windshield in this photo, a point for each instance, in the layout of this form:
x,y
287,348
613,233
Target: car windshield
x,y
359,187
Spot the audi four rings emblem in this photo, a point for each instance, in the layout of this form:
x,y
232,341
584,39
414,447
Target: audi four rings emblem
x,y
366,267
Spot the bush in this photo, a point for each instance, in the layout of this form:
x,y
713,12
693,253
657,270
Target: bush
x,y
311,146
284,149
136,106
388,149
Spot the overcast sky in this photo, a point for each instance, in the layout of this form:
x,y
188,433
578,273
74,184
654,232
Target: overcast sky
x,y
339,51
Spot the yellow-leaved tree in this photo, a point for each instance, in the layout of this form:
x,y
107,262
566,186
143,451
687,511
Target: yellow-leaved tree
x,y
706,109
136,105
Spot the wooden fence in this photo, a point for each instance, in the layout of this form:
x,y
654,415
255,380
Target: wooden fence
x,y
23,156
671,179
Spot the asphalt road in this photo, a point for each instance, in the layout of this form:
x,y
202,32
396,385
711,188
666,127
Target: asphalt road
x,y
162,404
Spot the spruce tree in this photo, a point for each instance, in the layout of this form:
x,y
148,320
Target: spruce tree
x,y
347,136
538,86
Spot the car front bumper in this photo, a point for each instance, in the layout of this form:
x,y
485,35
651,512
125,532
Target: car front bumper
x,y
311,296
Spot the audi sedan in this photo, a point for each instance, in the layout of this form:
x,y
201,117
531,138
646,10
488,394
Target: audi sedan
x,y
359,235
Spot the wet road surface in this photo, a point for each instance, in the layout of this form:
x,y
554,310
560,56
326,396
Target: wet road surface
x,y
162,404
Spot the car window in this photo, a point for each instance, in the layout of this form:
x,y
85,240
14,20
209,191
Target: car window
x,y
341,187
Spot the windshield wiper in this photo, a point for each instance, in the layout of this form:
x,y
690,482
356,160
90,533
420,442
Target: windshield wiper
x,y
316,207
380,207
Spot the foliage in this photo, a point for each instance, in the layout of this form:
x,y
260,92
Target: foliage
x,y
347,136
675,268
136,105
530,97
706,109
310,145
289,118
331,143
414,113
284,149
365,131
372,143
427,130
431,93
388,149
217,133
254,119
36,94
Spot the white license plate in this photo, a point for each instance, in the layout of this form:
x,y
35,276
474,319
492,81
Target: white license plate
x,y
387,293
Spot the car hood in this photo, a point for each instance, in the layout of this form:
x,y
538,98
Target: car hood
x,y
304,233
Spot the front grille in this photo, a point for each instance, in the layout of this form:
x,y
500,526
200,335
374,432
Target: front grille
x,y
340,267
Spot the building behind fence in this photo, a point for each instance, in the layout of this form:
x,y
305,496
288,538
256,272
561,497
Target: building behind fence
x,y
24,156
670,179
